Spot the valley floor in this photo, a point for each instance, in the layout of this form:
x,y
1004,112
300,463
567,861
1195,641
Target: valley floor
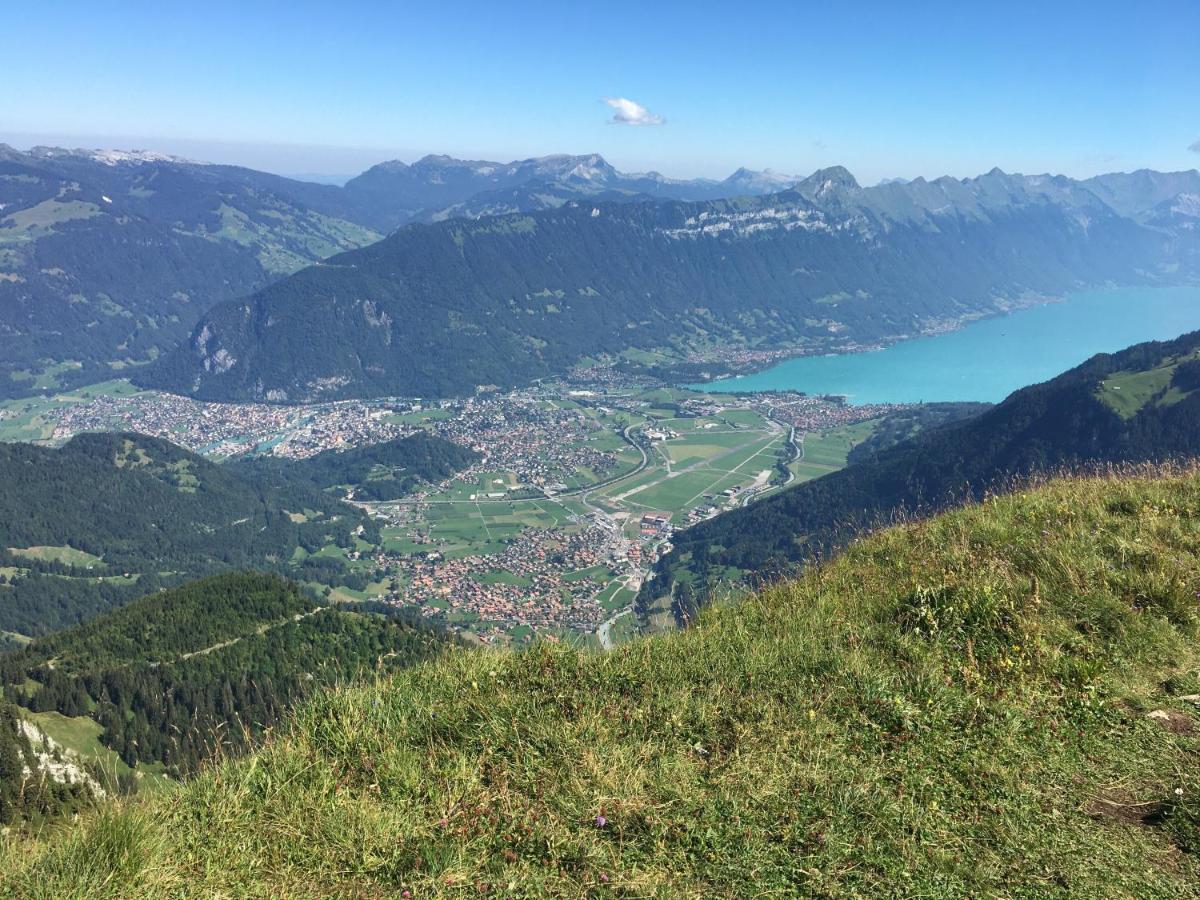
x,y
552,532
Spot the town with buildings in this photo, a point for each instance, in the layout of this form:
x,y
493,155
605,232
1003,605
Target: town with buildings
x,y
576,492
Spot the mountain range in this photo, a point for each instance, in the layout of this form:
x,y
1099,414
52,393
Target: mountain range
x,y
435,188
448,307
108,258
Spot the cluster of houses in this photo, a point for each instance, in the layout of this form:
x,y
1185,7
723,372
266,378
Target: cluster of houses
x,y
540,443
530,582
231,429
656,524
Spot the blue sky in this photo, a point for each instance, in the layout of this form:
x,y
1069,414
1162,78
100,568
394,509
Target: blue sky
x,y
932,89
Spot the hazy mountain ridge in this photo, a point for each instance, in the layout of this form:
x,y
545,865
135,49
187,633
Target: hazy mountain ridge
x,y
439,187
825,261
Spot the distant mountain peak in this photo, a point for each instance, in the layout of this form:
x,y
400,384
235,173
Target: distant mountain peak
x,y
442,161
838,175
391,165
824,182
766,181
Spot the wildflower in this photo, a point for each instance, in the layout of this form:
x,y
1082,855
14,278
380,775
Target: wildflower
x,y
812,714
601,821
604,877
1178,792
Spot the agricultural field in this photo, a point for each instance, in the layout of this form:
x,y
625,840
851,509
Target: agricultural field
x,y
703,456
456,527
68,556
826,451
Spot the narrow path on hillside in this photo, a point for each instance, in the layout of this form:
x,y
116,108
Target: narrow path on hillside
x,y
261,629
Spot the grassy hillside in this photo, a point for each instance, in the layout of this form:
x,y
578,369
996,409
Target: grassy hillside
x,y
997,701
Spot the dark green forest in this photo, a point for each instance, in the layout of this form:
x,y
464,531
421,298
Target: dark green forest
x,y
152,514
903,424
383,471
206,668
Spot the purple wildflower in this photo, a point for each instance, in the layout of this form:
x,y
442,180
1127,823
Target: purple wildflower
x,y
601,821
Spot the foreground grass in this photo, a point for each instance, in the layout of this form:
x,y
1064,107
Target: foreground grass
x,y
955,707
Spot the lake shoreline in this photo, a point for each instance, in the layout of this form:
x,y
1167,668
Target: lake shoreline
x,y
935,328
1103,304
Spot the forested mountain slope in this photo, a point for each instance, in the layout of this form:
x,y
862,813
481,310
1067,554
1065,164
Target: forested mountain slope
x,y
108,517
382,471
177,677
1142,404
997,702
107,259
445,308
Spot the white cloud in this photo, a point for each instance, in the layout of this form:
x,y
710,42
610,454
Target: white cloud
x,y
1195,147
626,112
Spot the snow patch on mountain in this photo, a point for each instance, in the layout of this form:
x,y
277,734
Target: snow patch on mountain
x,y
138,157
1187,205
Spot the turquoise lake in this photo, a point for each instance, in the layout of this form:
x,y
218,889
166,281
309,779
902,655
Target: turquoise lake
x,y
988,359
